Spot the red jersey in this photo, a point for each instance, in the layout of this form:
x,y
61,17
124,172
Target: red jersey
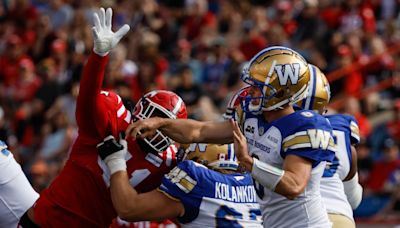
x,y
79,196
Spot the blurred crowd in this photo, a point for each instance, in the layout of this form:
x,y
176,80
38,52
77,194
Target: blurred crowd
x,y
197,48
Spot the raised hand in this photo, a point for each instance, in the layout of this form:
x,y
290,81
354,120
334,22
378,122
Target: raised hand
x,y
240,146
143,128
113,153
104,38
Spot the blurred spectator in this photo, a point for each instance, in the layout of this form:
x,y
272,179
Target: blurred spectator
x,y
66,104
310,26
9,61
380,192
252,41
393,126
382,169
182,56
58,135
214,74
352,107
4,131
40,177
28,82
60,13
364,161
199,22
199,106
146,80
50,88
353,82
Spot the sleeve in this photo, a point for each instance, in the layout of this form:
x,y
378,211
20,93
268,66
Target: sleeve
x,y
180,184
354,130
312,141
90,111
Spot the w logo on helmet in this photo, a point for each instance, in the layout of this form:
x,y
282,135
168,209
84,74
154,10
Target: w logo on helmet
x,y
287,71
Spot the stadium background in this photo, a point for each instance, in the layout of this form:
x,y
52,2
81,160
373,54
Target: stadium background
x,y
197,49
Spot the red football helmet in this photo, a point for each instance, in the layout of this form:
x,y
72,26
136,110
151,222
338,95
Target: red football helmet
x,y
234,103
160,103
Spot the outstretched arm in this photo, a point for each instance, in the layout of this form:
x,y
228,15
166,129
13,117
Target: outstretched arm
x,y
149,206
130,205
184,130
88,116
89,111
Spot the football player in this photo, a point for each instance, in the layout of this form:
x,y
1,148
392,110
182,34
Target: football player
x,y
204,190
16,193
284,150
79,196
340,189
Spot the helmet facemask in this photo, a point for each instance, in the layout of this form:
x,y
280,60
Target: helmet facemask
x,y
147,108
266,92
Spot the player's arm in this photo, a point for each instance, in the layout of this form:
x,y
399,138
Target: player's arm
x,y
87,108
352,188
289,181
127,202
184,130
297,171
89,113
150,206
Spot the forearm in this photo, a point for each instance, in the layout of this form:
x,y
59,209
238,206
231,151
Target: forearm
x,y
90,86
289,186
289,181
192,131
123,195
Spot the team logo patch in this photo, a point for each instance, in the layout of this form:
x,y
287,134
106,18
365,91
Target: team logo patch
x,y
307,114
287,72
250,129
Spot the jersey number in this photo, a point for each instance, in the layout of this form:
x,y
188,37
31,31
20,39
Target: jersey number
x,y
228,216
340,144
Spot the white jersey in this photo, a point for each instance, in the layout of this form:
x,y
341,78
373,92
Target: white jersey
x,y
346,133
212,199
16,193
305,134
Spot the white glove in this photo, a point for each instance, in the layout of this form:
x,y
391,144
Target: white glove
x,y
113,153
104,38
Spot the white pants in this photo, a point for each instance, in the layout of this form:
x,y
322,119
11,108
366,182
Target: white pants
x,y
16,194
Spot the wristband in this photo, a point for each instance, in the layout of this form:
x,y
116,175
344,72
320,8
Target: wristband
x,y
265,174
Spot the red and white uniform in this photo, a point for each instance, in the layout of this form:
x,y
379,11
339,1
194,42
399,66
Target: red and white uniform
x,y
79,196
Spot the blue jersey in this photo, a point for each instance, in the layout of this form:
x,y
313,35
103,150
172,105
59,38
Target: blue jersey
x,y
302,133
345,133
212,199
